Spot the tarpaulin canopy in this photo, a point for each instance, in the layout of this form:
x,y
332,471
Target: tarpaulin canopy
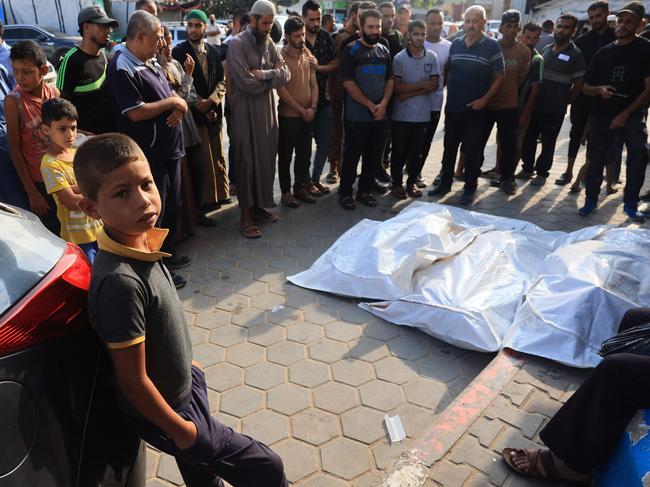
x,y
484,282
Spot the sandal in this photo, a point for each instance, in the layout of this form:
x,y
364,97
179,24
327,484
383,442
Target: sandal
x,y
414,192
542,457
563,180
262,215
322,188
289,200
367,199
250,231
304,195
313,190
398,192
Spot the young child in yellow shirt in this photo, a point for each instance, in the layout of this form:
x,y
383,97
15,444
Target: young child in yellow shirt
x,y
59,119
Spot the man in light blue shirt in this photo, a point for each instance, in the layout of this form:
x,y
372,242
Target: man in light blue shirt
x,y
4,52
416,73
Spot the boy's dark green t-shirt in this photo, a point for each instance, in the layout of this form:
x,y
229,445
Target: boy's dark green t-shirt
x,y
132,299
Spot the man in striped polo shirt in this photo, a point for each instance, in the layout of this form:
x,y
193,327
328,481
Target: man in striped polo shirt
x,y
82,73
474,73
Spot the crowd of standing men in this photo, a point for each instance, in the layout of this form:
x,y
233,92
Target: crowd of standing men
x,y
371,91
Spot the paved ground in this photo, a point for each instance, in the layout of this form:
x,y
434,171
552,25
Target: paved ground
x,y
312,375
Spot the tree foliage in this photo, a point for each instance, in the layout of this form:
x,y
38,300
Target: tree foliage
x,y
223,9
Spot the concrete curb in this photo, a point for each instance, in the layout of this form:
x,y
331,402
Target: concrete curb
x,y
411,468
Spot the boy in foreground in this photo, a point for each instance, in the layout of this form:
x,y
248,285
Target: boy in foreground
x,y
60,127
134,307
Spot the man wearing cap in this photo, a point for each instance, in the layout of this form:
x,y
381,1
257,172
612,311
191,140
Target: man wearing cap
x,y
209,84
503,109
255,69
82,72
618,79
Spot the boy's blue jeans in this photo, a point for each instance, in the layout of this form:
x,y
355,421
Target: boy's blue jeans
x,y
219,452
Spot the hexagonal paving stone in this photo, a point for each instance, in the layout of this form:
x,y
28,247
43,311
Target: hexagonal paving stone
x,y
218,289
368,349
228,335
382,330
315,426
395,370
324,481
251,288
168,470
353,314
363,424
286,353
385,453
381,395
300,459
309,373
301,299
342,331
212,319
204,276
242,401
425,393
345,458
414,419
228,420
208,354
248,317
222,263
198,303
237,276
233,302
438,368
328,351
198,335
266,426
320,315
353,372
265,375
267,301
411,346
288,398
266,335
284,316
304,332
245,354
222,377
335,397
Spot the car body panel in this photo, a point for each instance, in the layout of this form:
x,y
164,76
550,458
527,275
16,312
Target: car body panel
x,y
54,43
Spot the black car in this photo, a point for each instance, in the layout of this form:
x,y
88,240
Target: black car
x,y
59,421
54,43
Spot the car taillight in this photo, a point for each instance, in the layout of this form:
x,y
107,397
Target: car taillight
x,y
55,307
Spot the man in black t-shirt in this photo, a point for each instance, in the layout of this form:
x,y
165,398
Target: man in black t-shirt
x,y
366,72
82,73
619,80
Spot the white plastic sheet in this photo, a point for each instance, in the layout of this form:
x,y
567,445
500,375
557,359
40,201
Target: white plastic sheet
x,y
483,282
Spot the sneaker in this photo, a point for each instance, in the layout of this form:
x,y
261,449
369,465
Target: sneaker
x,y
495,183
420,182
177,261
467,198
383,176
347,203
538,181
332,178
439,190
508,186
178,280
588,209
523,174
633,213
379,188
437,180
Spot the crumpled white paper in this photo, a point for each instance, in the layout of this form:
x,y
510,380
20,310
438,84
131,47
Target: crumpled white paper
x,y
484,282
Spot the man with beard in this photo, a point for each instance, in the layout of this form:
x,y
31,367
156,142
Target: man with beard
x,y
503,109
82,73
618,79
564,67
394,37
367,77
255,68
296,112
599,36
208,76
324,62
416,73
474,74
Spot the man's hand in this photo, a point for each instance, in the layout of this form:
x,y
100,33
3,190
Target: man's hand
x,y
309,115
431,85
619,120
257,73
606,91
37,203
380,111
180,104
313,64
174,118
478,104
187,435
188,65
204,106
